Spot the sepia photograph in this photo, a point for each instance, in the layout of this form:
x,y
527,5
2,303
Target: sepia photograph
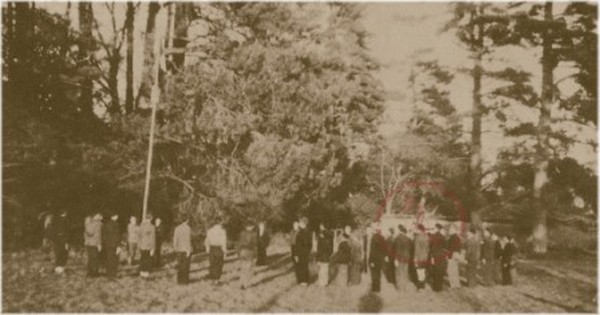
x,y
299,157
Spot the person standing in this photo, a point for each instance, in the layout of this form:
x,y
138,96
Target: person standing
x,y
159,234
498,255
302,252
437,254
342,260
488,258
356,257
292,240
454,249
182,244
61,244
111,239
93,243
472,255
508,252
324,252
133,231
147,244
377,256
247,254
263,244
216,247
366,248
402,246
421,255
389,268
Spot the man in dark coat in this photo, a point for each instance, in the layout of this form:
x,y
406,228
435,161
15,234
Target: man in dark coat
x,y
389,268
60,239
111,239
159,234
488,258
303,248
402,249
437,255
377,256
263,243
472,255
508,251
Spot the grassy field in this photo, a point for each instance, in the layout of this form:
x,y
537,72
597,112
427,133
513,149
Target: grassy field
x,y
29,285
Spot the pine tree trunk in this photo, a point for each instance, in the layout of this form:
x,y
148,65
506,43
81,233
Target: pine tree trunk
x,y
475,157
147,76
86,48
113,80
180,40
129,19
540,232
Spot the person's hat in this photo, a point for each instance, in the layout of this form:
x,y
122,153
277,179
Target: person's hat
x,y
438,226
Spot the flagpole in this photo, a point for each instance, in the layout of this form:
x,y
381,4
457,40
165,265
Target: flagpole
x,y
154,98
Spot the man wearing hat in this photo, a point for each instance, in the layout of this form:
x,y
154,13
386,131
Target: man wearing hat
x,y
111,238
303,248
402,246
437,255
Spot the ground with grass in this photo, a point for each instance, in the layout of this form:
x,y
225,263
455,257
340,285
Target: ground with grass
x,y
554,284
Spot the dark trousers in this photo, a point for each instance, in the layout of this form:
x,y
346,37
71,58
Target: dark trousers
x,y
390,271
488,273
157,256
302,272
216,258
471,274
145,261
261,258
183,268
60,254
402,276
437,276
92,261
506,274
376,278
112,262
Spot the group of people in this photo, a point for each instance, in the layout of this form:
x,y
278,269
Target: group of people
x,y
408,260
422,257
102,242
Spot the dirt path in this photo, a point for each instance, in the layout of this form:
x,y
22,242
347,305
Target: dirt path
x,y
32,287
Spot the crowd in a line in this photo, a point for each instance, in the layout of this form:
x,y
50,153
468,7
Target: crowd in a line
x,y
409,259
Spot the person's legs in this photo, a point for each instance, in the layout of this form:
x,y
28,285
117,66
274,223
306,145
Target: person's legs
x,y
112,262
438,277
145,263
158,257
341,277
60,256
376,278
183,268
303,270
246,272
453,274
471,275
323,274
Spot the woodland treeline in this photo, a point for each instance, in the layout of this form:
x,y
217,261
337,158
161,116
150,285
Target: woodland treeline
x,y
272,111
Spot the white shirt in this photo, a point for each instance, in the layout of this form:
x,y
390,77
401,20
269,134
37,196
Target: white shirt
x,y
216,236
